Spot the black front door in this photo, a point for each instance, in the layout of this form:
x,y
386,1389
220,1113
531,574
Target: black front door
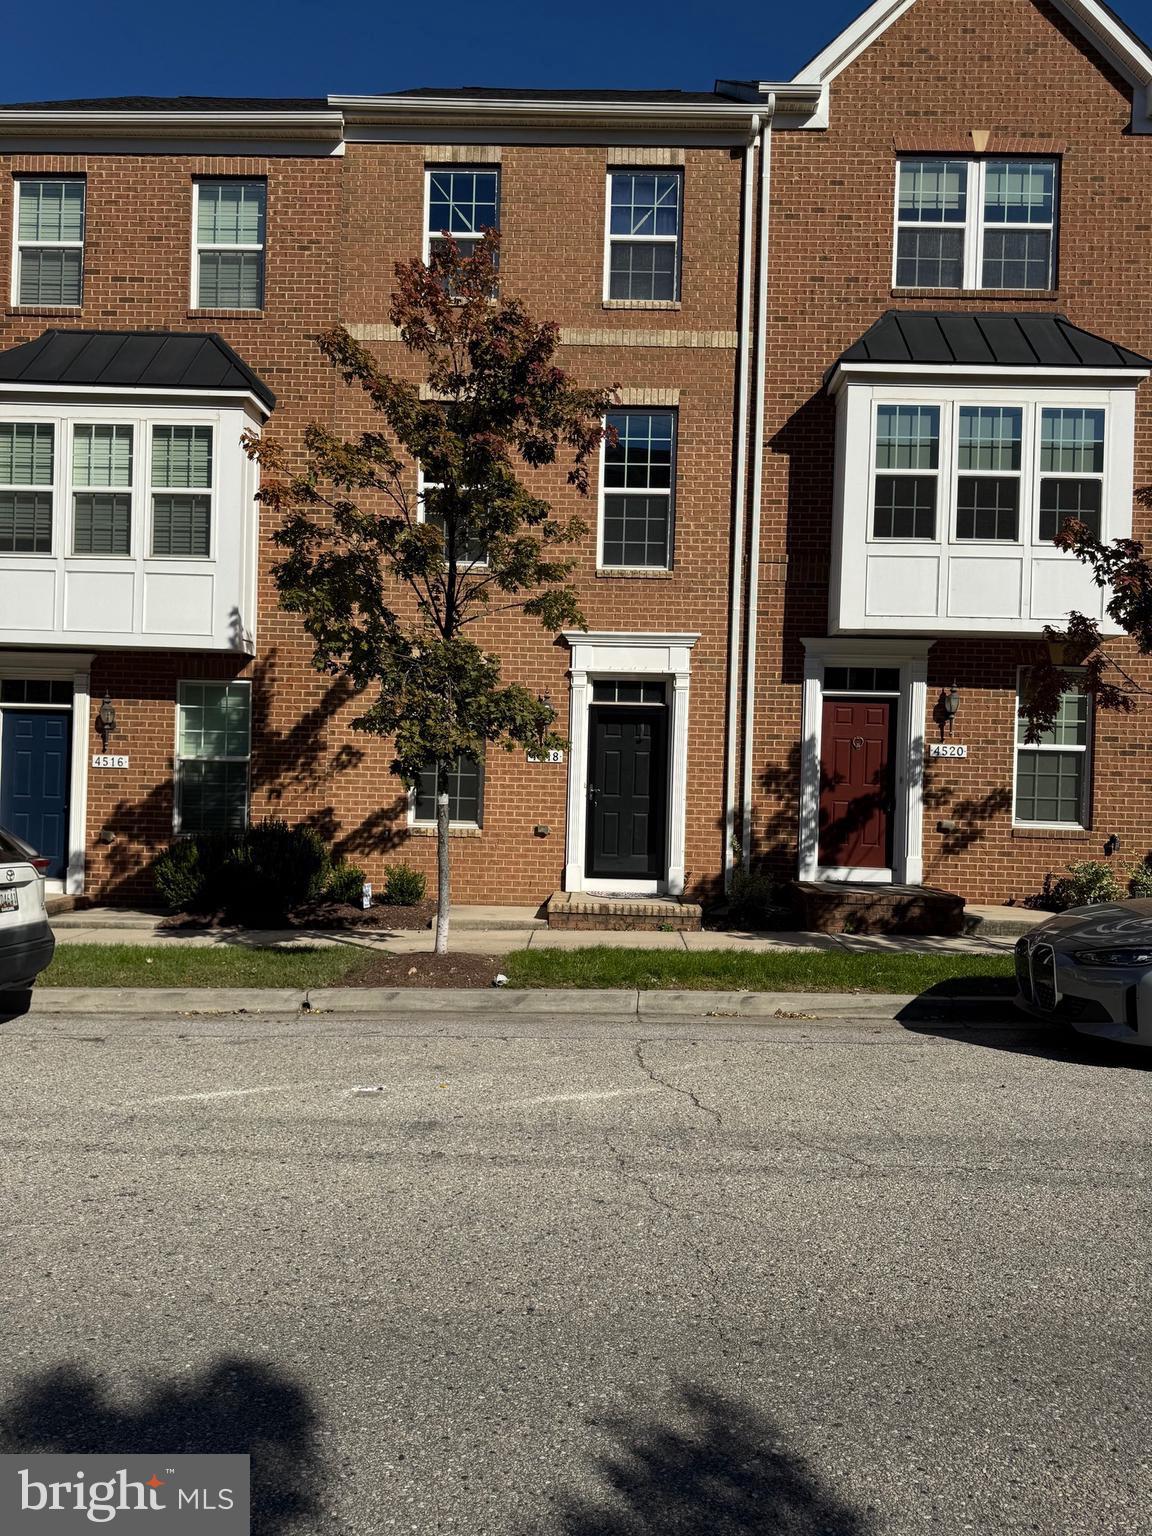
x,y
627,789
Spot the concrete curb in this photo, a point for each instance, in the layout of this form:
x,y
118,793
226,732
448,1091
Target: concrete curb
x,y
507,1002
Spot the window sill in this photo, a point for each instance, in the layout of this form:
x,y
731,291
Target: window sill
x,y
642,304
32,310
631,573
1053,834
420,829
1015,295
225,314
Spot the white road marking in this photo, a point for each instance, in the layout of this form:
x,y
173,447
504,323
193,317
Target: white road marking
x,y
580,1098
223,1093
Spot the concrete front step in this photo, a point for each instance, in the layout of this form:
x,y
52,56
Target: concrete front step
x,y
583,910
987,922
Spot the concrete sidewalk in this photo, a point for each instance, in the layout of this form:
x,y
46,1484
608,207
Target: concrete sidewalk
x,y
496,931
505,1003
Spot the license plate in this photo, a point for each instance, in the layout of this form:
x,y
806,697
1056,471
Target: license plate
x,y
9,899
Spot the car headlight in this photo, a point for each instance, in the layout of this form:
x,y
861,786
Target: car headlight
x,y
1113,957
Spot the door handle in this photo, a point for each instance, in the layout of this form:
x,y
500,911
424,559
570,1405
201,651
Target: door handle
x,y
593,794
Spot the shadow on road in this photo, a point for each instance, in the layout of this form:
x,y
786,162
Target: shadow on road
x,y
717,1468
14,1005
237,1406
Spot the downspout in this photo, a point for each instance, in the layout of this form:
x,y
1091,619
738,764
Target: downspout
x,y
757,480
740,494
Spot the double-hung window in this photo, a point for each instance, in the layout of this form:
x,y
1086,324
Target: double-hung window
x,y
470,548
465,793
230,218
1071,469
1053,774
644,219
985,223
27,485
463,202
907,476
638,494
213,750
181,491
989,446
101,489
49,257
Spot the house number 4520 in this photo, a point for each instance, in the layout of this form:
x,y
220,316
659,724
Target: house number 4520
x,y
947,749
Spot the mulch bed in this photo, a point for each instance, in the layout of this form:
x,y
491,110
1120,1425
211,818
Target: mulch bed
x,y
321,914
425,971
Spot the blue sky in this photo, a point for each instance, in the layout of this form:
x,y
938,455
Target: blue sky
x,y
311,47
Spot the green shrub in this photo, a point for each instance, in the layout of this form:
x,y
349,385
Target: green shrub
x,y
179,876
345,884
403,886
1140,881
757,902
1086,884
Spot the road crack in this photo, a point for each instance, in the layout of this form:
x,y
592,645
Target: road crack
x,y
662,1082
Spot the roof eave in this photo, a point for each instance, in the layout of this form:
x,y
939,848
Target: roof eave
x,y
123,391
326,124
404,110
842,373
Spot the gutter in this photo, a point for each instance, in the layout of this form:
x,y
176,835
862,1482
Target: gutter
x,y
740,498
757,482
319,124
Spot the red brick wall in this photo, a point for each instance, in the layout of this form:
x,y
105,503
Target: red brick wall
x,y
947,67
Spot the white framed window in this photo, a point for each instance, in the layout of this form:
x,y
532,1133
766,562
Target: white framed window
x,y
465,793
642,236
229,220
472,551
1053,775
181,491
48,248
213,753
102,463
987,469
462,201
976,223
27,487
637,490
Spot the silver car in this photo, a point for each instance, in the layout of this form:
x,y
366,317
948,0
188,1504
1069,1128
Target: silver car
x,y
1091,968
26,942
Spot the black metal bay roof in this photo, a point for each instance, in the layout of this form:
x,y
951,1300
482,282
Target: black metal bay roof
x,y
194,361
948,339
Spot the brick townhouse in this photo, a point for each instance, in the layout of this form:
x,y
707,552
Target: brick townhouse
x,y
880,326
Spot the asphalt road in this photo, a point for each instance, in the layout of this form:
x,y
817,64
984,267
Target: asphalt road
x,y
585,1277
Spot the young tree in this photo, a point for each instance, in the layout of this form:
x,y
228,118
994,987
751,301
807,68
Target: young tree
x,y
354,539
1122,569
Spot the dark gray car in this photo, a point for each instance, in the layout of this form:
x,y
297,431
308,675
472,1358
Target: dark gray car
x,y
26,942
1092,968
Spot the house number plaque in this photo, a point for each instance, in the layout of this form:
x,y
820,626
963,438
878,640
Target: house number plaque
x,y
109,760
947,749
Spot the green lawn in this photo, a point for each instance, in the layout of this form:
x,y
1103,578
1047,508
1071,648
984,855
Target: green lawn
x,y
723,970
172,965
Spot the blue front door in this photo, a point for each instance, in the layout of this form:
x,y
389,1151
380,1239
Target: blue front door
x,y
35,771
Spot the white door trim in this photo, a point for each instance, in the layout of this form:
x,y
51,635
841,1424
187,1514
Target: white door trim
x,y
597,654
74,666
911,656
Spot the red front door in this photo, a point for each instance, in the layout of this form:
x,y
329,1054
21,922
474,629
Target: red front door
x,y
856,784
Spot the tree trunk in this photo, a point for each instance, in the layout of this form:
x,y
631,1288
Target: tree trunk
x,y
443,870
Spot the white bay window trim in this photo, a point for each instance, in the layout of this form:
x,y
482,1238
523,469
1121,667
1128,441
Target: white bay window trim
x,y
951,584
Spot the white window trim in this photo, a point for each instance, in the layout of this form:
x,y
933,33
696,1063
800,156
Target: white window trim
x,y
198,249
178,758
453,826
1115,518
974,227
1084,824
73,490
436,485
53,490
676,240
439,168
603,490
44,245
209,490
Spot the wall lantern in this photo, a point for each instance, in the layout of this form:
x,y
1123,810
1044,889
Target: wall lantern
x,y
951,703
106,719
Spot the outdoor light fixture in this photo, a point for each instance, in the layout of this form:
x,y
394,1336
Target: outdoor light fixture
x,y
1112,846
106,719
951,702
